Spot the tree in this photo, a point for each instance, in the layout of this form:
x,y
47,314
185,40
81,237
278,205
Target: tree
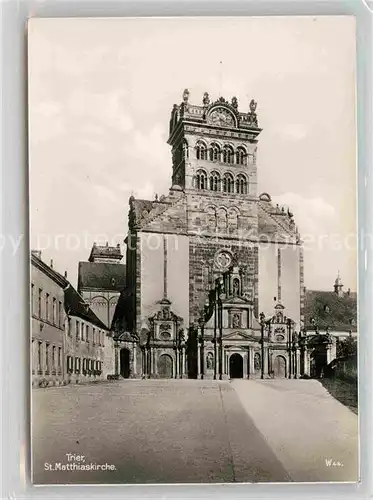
x,y
346,347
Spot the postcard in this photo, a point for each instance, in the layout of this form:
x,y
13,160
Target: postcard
x,y
193,250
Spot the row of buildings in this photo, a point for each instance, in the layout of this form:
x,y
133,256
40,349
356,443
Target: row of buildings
x,y
69,343
213,282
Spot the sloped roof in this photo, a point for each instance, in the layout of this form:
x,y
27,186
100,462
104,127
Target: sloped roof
x,y
339,313
75,306
104,276
105,251
121,319
47,270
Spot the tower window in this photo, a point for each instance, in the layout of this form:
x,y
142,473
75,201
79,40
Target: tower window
x,y
241,184
214,152
228,183
201,151
228,155
201,179
215,181
241,156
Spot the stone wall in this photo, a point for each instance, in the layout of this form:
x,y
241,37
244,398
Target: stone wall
x,y
203,271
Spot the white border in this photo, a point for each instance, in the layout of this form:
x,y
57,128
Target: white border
x,y
14,269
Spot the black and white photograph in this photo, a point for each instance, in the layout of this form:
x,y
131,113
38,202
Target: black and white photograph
x,y
193,250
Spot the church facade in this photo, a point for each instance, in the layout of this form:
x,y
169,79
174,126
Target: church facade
x,y
214,270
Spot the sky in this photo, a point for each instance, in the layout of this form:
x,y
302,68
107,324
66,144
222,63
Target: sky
x,y
100,97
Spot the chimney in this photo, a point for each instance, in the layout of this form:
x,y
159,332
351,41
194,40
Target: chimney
x,y
36,253
51,265
65,274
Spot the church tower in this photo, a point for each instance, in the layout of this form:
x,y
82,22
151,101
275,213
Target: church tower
x,y
214,149
214,146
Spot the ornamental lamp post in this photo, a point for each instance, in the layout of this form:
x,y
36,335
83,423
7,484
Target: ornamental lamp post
x,y
202,353
262,324
220,292
290,323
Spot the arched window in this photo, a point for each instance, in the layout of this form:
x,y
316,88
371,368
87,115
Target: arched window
x,y
228,154
221,219
241,184
233,215
228,183
241,156
201,179
215,152
215,181
201,150
211,217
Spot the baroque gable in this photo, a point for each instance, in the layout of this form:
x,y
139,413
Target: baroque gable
x,y
276,223
168,214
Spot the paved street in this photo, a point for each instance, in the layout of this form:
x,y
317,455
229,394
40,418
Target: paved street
x,y
157,431
314,436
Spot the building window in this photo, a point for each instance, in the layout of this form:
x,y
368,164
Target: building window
x,y
87,333
82,331
39,302
39,356
47,357
54,361
59,359
201,179
54,311
77,329
228,155
215,152
32,298
77,365
241,184
94,336
47,306
60,314
228,183
241,156
215,181
221,219
201,151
